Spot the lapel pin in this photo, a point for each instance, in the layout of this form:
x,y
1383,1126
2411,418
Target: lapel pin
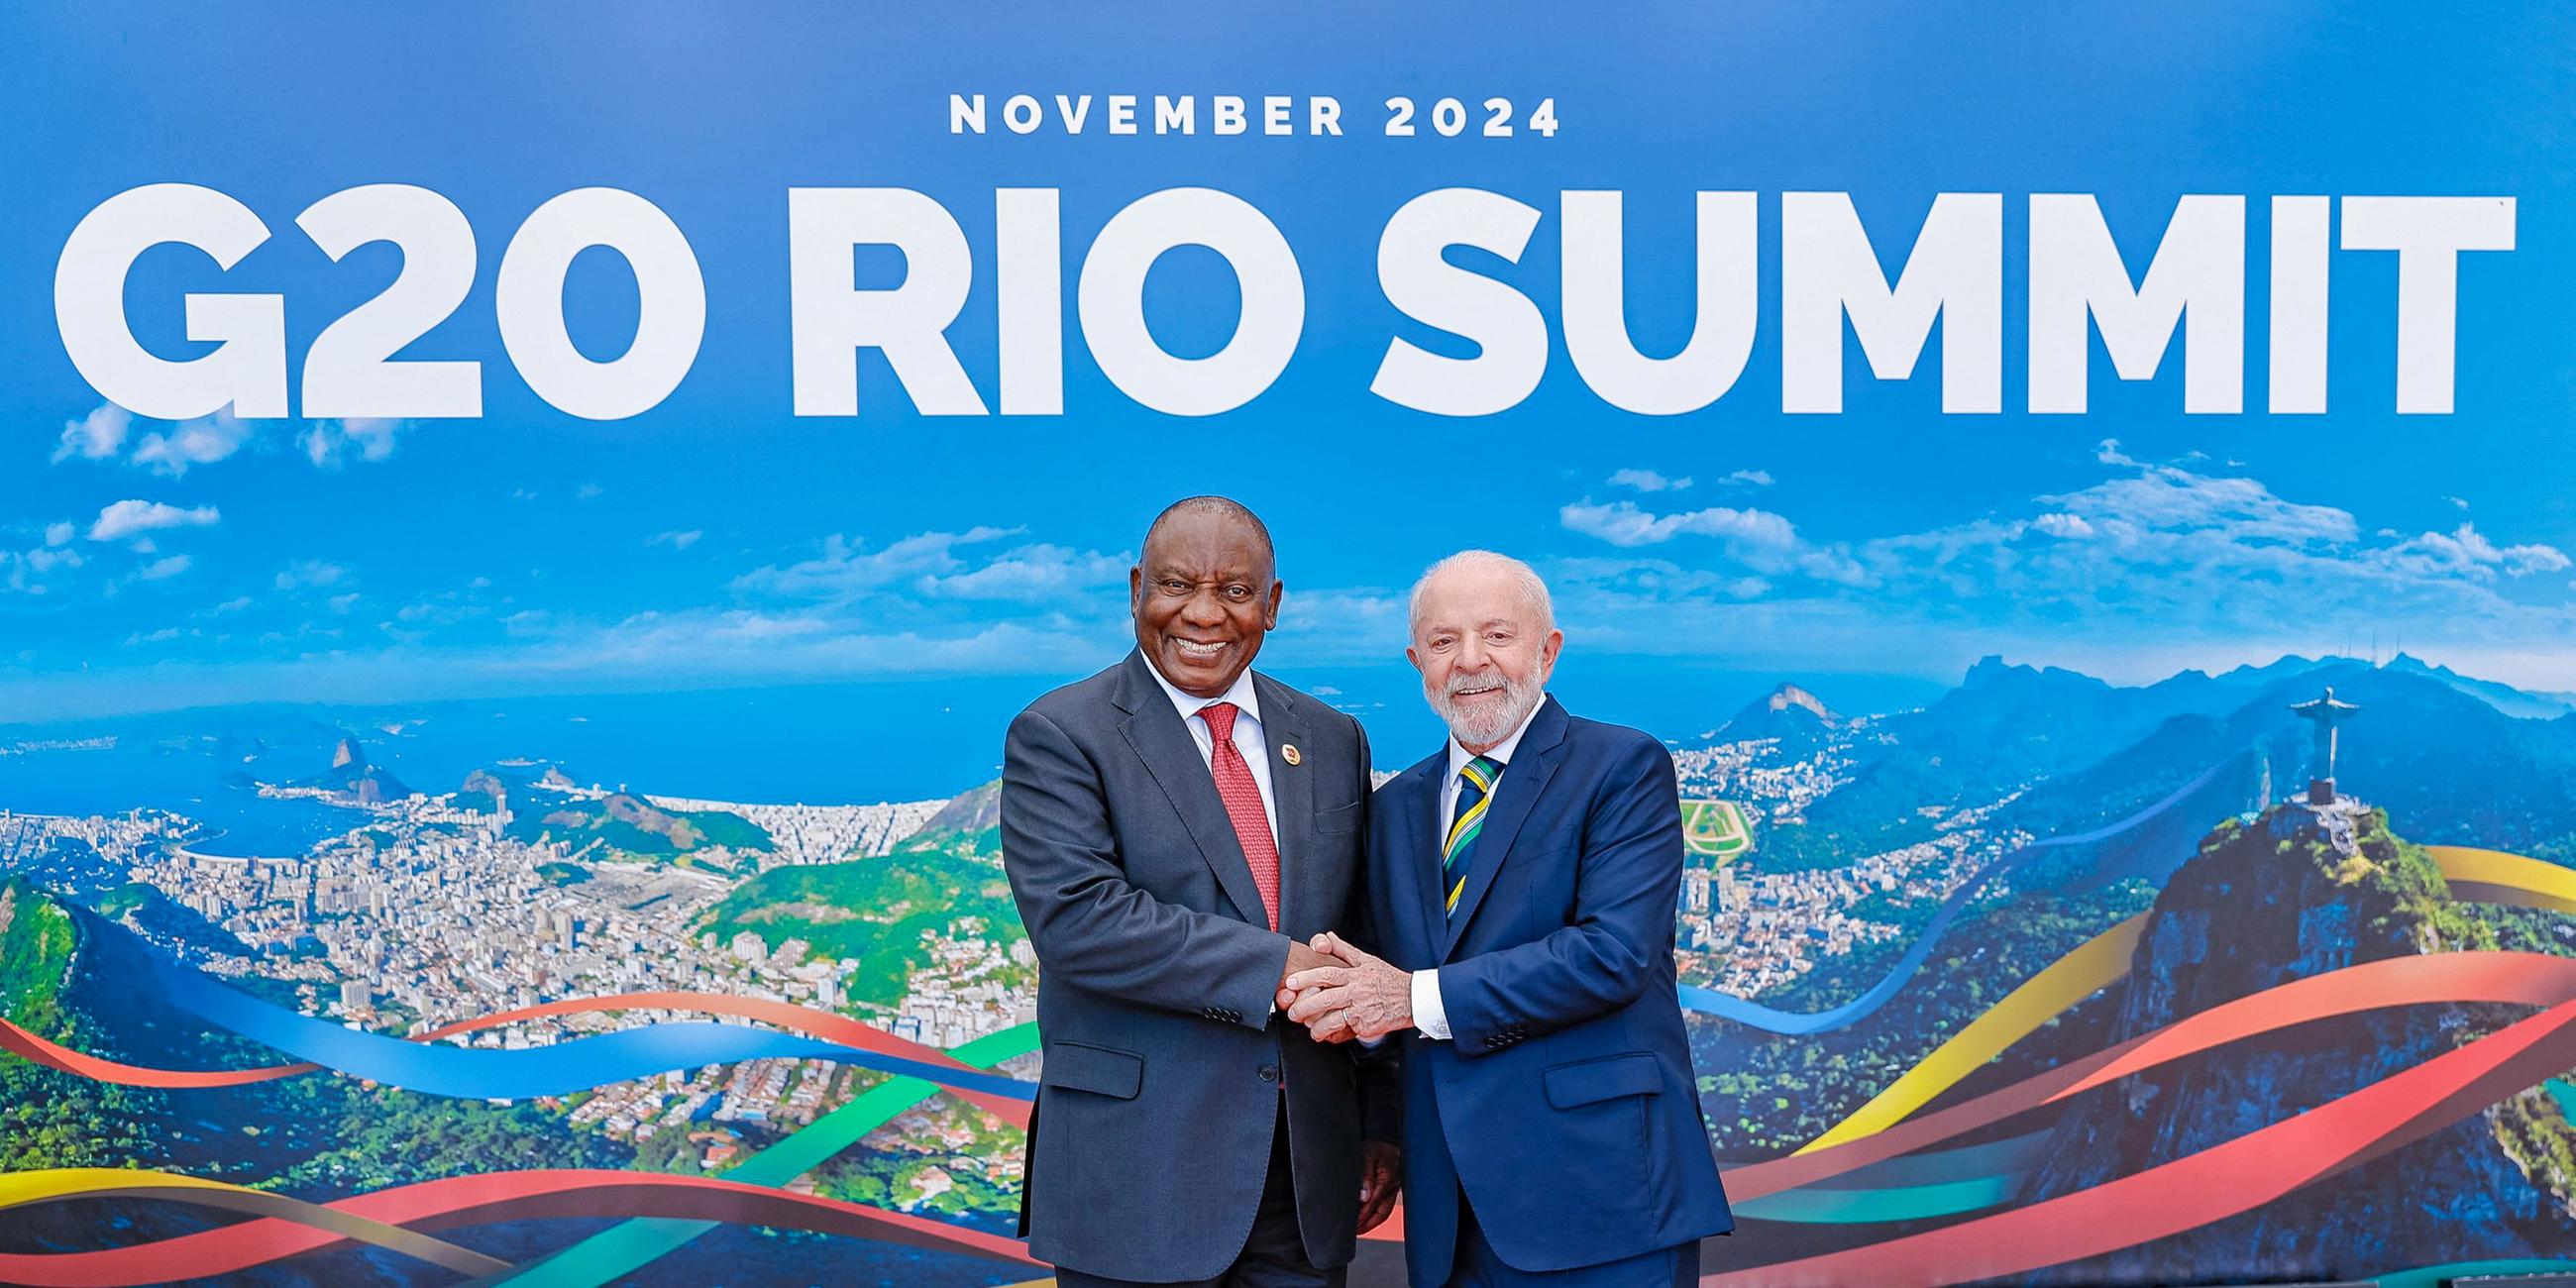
x,y
1289,753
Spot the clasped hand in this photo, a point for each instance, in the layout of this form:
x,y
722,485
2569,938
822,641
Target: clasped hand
x,y
1354,996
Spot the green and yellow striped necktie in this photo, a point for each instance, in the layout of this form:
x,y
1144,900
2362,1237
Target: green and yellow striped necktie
x,y
1475,791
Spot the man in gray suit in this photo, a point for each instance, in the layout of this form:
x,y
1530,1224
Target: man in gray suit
x,y
1176,828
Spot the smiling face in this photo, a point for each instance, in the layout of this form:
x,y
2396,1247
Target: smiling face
x,y
1485,650
1203,596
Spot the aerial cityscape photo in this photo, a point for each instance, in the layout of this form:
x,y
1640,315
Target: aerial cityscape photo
x,y
526,807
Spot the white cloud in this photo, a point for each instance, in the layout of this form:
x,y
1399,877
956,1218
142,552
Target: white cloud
x,y
161,636
310,572
49,559
128,518
1648,481
675,540
2160,499
97,436
2466,552
587,491
164,569
343,603
233,605
1621,523
1748,478
329,443
806,642
846,568
59,534
1760,540
183,446
1033,574
2157,564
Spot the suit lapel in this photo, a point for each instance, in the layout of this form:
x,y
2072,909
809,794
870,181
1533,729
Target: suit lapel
x,y
1292,793
1154,729
1524,779
1420,853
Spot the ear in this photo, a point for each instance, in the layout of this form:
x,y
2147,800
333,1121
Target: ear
x,y
1135,588
1270,611
1414,656
1547,651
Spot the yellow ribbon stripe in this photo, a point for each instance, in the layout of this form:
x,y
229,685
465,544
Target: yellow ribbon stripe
x,y
21,1188
2097,964
2475,875
2493,876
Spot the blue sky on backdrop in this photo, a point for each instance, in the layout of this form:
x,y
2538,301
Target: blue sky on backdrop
x,y
719,540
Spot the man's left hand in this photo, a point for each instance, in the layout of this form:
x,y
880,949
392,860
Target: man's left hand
x,y
1367,999
1381,1178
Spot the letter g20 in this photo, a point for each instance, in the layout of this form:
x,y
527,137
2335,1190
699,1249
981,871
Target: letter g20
x,y
350,369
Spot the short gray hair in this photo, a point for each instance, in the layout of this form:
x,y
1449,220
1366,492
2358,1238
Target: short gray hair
x,y
1525,580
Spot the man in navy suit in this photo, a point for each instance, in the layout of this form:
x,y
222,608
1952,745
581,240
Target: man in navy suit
x,y
1521,887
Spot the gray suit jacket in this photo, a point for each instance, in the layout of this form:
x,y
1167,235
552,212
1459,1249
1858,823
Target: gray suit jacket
x,y
1163,1063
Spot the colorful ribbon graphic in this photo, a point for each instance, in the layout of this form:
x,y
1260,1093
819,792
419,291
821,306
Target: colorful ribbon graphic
x,y
18,1189
1871,1167
2529,979
1011,1106
463,1201
1727,1006
2215,1183
538,1071
630,1247
2475,876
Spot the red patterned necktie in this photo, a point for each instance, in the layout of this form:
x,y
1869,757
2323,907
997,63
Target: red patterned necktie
x,y
1242,794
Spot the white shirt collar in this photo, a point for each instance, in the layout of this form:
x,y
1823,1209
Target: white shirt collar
x,y
1239,693
1501,752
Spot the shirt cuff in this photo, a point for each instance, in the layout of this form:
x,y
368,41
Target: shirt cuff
x,y
1430,1018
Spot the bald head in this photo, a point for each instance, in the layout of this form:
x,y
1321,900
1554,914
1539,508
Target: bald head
x,y
1484,574
1224,513
1204,592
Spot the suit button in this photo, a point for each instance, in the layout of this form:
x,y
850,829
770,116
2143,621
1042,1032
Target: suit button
x,y
1270,1073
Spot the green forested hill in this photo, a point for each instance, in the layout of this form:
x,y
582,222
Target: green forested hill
x,y
877,911
50,1119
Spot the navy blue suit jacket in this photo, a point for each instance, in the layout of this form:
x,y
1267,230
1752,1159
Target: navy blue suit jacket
x,y
1564,1104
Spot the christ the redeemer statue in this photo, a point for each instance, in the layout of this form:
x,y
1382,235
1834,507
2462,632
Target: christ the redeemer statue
x,y
2325,713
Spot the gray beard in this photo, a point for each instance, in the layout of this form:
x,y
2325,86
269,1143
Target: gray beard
x,y
1485,728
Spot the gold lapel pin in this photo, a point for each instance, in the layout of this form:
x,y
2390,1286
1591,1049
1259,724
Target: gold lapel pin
x,y
1289,753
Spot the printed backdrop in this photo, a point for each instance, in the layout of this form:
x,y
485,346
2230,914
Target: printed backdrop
x,y
520,532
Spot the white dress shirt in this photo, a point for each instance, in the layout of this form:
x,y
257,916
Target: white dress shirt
x,y
1247,739
1247,733
1430,1017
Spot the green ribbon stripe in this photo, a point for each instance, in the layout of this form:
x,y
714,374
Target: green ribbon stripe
x,y
630,1247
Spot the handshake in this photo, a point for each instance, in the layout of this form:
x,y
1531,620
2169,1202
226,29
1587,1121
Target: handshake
x,y
1340,993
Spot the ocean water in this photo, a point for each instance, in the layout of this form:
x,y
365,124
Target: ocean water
x,y
811,744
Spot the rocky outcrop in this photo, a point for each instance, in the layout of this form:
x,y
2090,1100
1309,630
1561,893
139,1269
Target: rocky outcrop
x,y
2297,892
971,813
352,776
485,792
1798,721
635,812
